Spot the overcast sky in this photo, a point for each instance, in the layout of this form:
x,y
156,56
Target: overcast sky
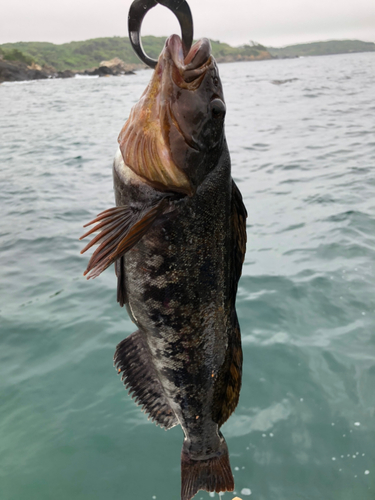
x,y
270,22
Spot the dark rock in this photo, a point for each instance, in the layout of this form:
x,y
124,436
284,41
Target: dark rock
x,y
101,71
17,71
11,72
104,71
65,74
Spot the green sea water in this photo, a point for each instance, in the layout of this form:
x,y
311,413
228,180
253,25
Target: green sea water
x,y
302,138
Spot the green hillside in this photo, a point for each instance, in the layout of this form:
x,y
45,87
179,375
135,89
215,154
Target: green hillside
x,y
79,56
223,51
322,48
89,53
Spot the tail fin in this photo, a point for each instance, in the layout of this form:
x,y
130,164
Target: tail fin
x,y
212,474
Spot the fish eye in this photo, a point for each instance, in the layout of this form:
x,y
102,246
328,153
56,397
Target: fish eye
x,y
218,108
215,81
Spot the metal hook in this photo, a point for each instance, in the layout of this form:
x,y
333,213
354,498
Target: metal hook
x,y
139,9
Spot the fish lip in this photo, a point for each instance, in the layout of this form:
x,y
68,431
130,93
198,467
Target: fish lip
x,y
175,49
192,65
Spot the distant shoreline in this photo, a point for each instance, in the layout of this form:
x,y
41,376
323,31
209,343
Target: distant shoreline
x,y
41,60
16,71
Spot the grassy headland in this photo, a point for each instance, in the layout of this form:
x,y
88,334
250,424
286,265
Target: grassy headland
x,y
89,53
322,48
26,57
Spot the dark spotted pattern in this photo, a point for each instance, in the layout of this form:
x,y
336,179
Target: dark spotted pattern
x,y
180,280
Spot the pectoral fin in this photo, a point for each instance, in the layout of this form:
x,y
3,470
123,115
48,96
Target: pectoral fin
x,y
120,229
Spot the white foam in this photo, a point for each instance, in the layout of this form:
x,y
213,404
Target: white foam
x,y
245,491
82,77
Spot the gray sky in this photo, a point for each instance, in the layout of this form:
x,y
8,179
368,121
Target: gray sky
x,y
270,22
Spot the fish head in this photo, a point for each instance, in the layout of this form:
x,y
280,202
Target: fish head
x,y
175,133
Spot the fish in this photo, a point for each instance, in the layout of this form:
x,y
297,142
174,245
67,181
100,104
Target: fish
x,y
177,238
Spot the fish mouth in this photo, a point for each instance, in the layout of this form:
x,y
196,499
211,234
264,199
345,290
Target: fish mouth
x,y
188,67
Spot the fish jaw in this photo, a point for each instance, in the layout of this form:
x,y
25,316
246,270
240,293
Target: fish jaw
x,y
164,138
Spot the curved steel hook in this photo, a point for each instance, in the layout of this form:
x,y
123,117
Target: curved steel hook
x,y
139,9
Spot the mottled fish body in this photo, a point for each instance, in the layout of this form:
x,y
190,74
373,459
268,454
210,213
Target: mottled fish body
x,y
177,238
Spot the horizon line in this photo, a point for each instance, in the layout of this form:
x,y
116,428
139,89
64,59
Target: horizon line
x,y
214,40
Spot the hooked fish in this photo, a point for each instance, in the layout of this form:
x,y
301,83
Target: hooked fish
x,y
177,237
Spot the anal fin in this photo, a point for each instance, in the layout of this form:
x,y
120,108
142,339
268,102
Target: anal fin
x,y
132,358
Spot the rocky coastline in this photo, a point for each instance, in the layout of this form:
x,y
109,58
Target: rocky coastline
x,y
18,71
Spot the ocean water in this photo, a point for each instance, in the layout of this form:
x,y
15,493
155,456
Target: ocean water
x,y
302,138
